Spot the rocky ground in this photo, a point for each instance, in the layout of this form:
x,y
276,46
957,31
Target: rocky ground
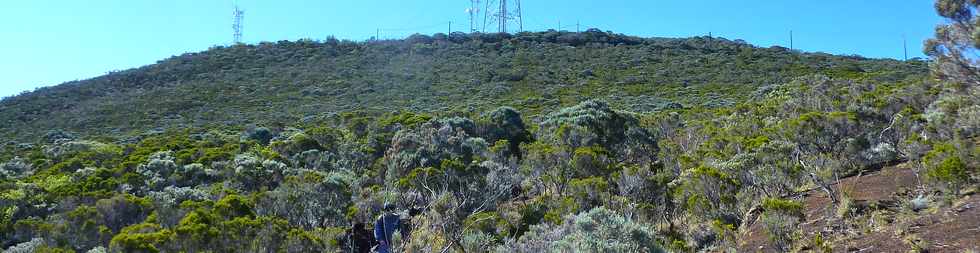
x,y
882,215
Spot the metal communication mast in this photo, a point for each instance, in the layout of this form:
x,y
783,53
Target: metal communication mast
x,y
474,12
506,12
237,25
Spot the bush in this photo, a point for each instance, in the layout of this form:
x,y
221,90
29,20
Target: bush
x,y
15,168
254,174
26,247
261,135
598,230
157,170
166,203
143,237
944,165
781,219
310,200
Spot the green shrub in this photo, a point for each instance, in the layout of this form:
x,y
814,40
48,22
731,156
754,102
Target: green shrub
x,y
781,219
598,230
943,165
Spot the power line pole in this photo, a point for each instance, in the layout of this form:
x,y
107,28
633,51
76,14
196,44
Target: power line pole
x,y
450,28
237,24
377,34
577,28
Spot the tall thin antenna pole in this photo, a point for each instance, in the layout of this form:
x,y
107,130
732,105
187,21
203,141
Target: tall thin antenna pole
x,y
377,34
905,48
791,40
237,24
710,39
577,28
450,28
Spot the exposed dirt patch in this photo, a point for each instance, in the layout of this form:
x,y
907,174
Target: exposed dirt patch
x,y
951,229
881,224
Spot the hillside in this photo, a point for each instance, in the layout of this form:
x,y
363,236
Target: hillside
x,y
285,82
536,142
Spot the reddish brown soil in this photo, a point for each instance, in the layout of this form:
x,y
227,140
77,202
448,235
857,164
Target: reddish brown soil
x,y
951,229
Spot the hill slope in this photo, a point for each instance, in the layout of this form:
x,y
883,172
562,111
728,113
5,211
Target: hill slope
x,y
537,72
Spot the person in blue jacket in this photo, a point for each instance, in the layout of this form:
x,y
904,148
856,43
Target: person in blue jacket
x,y
385,227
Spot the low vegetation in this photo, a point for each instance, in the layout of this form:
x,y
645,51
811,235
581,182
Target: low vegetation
x,y
282,146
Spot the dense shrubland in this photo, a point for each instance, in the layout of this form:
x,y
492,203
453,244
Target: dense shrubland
x,y
679,180
272,84
554,172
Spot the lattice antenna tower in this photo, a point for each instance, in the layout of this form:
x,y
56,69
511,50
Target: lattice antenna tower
x,y
474,12
506,12
237,24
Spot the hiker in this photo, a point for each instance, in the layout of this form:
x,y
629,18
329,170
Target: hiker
x,y
357,239
385,227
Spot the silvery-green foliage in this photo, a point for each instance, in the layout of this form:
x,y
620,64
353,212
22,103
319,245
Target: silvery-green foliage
x,y
253,173
781,228
157,170
98,249
595,117
274,166
55,135
968,120
880,153
477,242
431,143
16,168
477,146
954,114
65,147
954,49
458,124
192,174
313,159
598,230
502,177
310,199
26,247
167,202
593,122
83,173
918,203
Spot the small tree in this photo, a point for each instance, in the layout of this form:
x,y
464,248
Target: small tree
x,y
825,146
954,49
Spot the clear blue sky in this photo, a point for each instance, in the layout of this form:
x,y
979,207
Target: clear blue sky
x,y
47,42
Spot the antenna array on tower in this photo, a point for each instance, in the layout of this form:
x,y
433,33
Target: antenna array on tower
x,y
237,25
506,12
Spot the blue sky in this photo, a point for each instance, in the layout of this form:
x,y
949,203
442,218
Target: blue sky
x,y
47,42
